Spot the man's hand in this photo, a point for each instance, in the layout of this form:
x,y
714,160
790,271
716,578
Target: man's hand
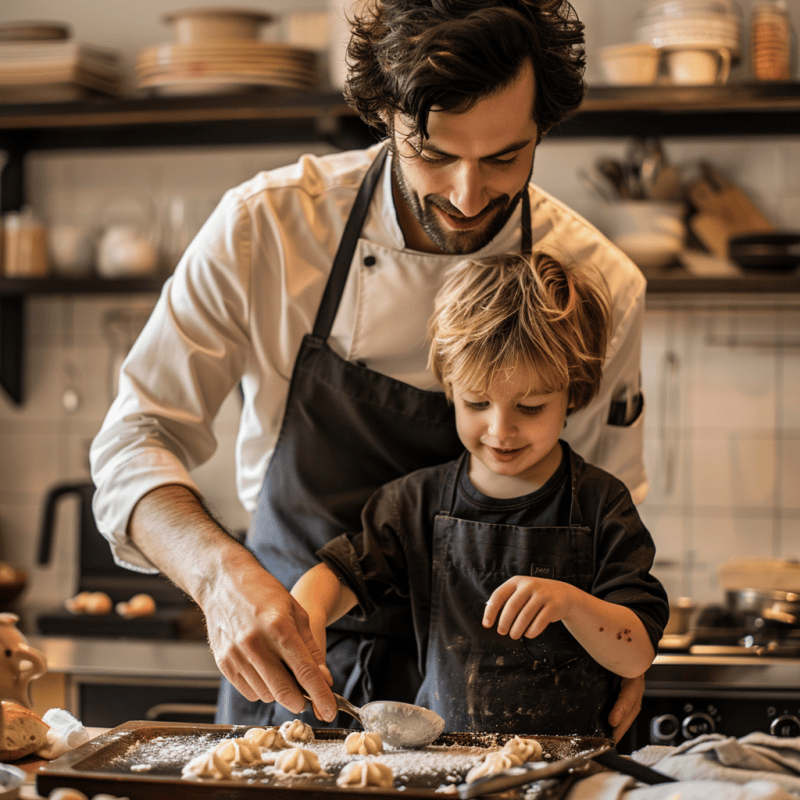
x,y
627,707
262,642
259,634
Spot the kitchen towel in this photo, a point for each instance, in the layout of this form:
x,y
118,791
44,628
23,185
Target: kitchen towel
x,y
755,757
66,733
615,786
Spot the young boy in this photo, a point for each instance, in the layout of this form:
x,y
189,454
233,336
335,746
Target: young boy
x,y
527,570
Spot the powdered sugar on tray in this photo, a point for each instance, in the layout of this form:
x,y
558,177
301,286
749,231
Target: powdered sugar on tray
x,y
434,768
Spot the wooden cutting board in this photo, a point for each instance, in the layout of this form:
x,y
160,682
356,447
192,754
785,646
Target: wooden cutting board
x,y
723,211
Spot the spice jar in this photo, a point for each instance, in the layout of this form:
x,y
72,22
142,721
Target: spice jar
x,y
25,246
771,41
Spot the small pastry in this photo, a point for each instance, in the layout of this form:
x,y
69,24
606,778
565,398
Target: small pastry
x,y
363,743
298,760
523,749
295,730
268,738
207,765
496,761
366,773
240,752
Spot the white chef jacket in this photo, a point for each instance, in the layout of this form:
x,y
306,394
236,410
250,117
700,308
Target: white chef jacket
x,y
246,292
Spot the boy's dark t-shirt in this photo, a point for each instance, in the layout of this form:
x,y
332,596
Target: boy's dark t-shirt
x,y
394,552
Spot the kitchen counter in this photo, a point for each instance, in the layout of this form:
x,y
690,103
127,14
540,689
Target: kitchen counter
x,y
127,657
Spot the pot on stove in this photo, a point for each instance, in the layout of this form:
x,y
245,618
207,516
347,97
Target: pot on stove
x,y
769,616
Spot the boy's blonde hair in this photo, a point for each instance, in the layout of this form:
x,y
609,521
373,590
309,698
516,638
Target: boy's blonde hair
x,y
496,313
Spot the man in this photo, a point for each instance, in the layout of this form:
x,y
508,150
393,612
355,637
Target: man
x,y
337,397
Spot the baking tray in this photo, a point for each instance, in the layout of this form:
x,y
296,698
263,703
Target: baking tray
x,y
103,765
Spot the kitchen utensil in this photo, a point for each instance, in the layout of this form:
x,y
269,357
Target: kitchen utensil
x,y
520,776
12,582
766,251
613,171
203,24
127,244
399,724
11,780
698,66
22,663
659,178
71,249
629,64
651,233
768,606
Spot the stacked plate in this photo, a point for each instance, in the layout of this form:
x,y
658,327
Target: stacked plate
x,y
225,65
692,24
39,63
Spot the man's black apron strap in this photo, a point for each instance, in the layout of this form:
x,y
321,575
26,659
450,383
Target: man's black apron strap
x,y
347,245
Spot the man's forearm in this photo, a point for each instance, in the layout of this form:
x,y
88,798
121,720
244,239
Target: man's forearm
x,y
171,527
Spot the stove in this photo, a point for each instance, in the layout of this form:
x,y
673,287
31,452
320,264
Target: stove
x,y
722,678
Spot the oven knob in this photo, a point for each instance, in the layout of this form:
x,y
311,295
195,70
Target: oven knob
x,y
785,726
697,724
664,729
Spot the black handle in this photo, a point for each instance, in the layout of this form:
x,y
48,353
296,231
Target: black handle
x,y
51,502
613,760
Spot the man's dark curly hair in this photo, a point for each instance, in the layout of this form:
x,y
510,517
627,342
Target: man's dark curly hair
x,y
408,56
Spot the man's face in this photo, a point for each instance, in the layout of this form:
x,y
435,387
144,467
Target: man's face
x,y
456,189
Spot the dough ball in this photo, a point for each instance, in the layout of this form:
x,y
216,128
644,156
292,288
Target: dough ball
x,y
268,738
298,760
97,603
366,773
496,761
140,605
295,730
363,743
63,793
523,749
207,765
239,752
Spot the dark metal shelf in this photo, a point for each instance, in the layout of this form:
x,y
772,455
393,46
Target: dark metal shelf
x,y
268,116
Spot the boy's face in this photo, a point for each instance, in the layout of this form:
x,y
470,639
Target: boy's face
x,y
512,432
456,189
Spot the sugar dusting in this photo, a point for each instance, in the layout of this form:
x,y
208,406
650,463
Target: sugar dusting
x,y
434,767
437,768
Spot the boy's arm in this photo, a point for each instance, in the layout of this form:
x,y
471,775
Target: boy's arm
x,y
612,634
325,599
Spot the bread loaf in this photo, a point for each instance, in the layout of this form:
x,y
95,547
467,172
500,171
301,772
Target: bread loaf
x,y
24,732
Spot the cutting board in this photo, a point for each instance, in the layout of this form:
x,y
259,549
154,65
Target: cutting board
x,y
723,211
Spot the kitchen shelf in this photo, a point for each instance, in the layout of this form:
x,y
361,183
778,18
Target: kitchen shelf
x,y
13,293
269,116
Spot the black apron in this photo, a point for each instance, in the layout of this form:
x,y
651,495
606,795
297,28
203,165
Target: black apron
x,y
478,680
346,431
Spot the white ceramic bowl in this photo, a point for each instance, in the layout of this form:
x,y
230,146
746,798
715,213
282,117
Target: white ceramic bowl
x,y
204,24
650,232
630,64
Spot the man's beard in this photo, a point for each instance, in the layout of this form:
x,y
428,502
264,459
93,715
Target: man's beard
x,y
453,242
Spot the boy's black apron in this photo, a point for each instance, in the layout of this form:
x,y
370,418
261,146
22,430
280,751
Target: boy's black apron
x,y
475,679
346,431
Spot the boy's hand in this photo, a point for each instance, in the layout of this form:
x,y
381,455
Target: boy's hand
x,y
525,606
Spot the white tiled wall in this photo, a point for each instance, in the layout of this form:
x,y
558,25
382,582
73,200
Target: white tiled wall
x,y
722,438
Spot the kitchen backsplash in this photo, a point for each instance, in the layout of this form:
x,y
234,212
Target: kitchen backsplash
x,y
721,380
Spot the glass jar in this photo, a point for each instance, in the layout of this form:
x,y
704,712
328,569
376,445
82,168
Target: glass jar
x,y
771,41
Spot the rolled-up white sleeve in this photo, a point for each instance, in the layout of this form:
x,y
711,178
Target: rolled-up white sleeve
x,y
189,356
